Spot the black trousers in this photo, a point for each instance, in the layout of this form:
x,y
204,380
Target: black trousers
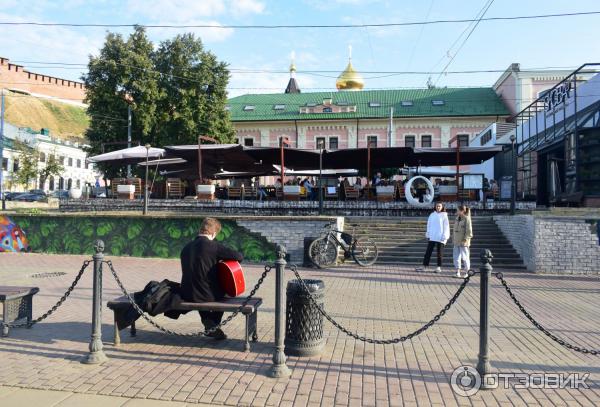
x,y
439,246
210,319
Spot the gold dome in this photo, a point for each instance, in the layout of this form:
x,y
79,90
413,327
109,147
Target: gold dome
x,y
349,79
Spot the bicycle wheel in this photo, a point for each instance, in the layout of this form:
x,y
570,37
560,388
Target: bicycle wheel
x,y
364,251
322,252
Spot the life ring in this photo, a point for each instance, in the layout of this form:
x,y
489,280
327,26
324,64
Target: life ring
x,y
412,200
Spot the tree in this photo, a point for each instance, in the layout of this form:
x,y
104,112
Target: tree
x,y
28,159
52,168
177,93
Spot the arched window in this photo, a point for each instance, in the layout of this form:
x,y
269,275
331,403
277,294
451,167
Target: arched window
x,y
42,157
51,187
61,183
78,183
69,183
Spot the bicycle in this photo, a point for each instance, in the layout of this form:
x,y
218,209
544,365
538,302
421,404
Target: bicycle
x,y
324,250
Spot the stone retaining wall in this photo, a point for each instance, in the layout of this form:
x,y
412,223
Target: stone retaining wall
x,y
289,232
554,245
280,208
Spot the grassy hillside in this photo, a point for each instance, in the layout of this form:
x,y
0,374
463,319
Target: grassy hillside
x,y
63,120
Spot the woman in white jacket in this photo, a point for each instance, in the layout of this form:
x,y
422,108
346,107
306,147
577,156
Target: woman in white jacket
x,y
438,232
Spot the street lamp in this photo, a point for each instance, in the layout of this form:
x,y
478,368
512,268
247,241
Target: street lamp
x,y
284,141
321,147
513,198
146,181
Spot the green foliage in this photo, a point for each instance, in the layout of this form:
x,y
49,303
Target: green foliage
x,y
139,237
53,168
28,163
176,90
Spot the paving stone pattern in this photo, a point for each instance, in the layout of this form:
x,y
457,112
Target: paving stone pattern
x,y
381,301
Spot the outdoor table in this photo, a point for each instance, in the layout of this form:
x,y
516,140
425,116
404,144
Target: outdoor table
x,y
17,304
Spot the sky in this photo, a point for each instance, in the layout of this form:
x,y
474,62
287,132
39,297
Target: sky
x,y
493,45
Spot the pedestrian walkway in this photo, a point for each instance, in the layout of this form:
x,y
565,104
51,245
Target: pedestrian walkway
x,y
380,301
16,396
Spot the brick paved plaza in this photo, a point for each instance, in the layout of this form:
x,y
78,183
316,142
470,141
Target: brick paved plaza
x,y
379,301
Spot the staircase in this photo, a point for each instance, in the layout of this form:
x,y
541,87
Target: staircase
x,y
402,241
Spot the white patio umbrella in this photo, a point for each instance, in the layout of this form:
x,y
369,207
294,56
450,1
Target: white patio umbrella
x,y
128,155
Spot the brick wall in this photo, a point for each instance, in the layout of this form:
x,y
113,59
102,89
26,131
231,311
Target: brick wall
x,y
289,232
13,76
553,245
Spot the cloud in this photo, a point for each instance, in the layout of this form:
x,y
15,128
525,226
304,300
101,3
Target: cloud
x,y
181,11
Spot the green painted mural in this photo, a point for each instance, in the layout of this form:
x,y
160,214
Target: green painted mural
x,y
133,236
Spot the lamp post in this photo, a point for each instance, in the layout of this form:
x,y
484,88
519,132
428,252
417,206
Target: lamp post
x,y
2,193
146,181
513,191
284,141
129,100
320,178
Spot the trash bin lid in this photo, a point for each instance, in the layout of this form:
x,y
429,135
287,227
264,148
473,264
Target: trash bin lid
x,y
312,285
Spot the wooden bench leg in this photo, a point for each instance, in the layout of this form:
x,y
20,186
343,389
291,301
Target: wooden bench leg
x,y
117,334
247,343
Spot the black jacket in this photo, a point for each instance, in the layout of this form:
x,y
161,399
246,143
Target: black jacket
x,y
199,280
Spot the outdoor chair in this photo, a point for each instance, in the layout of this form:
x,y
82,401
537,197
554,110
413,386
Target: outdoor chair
x,y
250,193
351,193
331,193
234,193
174,188
137,183
400,195
279,193
114,183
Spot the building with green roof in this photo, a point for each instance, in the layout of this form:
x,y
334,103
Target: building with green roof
x,y
352,117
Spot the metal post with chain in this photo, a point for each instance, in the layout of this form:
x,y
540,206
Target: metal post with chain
x,y
483,364
403,338
193,334
96,354
279,368
539,326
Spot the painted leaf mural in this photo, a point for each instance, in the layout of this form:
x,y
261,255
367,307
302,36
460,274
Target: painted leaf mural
x,y
126,236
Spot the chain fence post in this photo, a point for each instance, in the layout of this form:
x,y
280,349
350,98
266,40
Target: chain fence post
x,y
96,355
483,364
279,368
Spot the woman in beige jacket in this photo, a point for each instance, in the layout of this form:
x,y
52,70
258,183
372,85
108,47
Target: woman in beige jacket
x,y
461,237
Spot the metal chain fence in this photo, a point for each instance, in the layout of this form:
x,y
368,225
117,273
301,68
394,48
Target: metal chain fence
x,y
404,338
539,326
193,334
62,299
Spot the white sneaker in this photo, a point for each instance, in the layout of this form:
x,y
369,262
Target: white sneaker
x,y
458,275
421,269
438,269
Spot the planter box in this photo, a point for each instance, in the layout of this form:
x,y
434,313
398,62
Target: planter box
x,y
291,192
126,191
205,192
75,193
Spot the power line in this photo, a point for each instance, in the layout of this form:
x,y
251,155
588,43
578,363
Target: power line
x,y
70,65
484,10
294,26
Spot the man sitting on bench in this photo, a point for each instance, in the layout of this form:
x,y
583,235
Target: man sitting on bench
x,y
199,280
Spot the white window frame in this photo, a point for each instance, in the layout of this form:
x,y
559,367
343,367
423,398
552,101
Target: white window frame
x,y
404,136
426,135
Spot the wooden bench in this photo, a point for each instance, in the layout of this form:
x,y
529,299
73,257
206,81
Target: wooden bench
x,y
17,304
250,311
351,193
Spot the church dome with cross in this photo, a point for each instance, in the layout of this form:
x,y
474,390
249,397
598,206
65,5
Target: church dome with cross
x,y
349,79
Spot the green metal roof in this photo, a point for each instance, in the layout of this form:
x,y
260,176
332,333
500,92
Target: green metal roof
x,y
456,102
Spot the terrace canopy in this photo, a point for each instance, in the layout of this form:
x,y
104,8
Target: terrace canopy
x,y
126,156
234,158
